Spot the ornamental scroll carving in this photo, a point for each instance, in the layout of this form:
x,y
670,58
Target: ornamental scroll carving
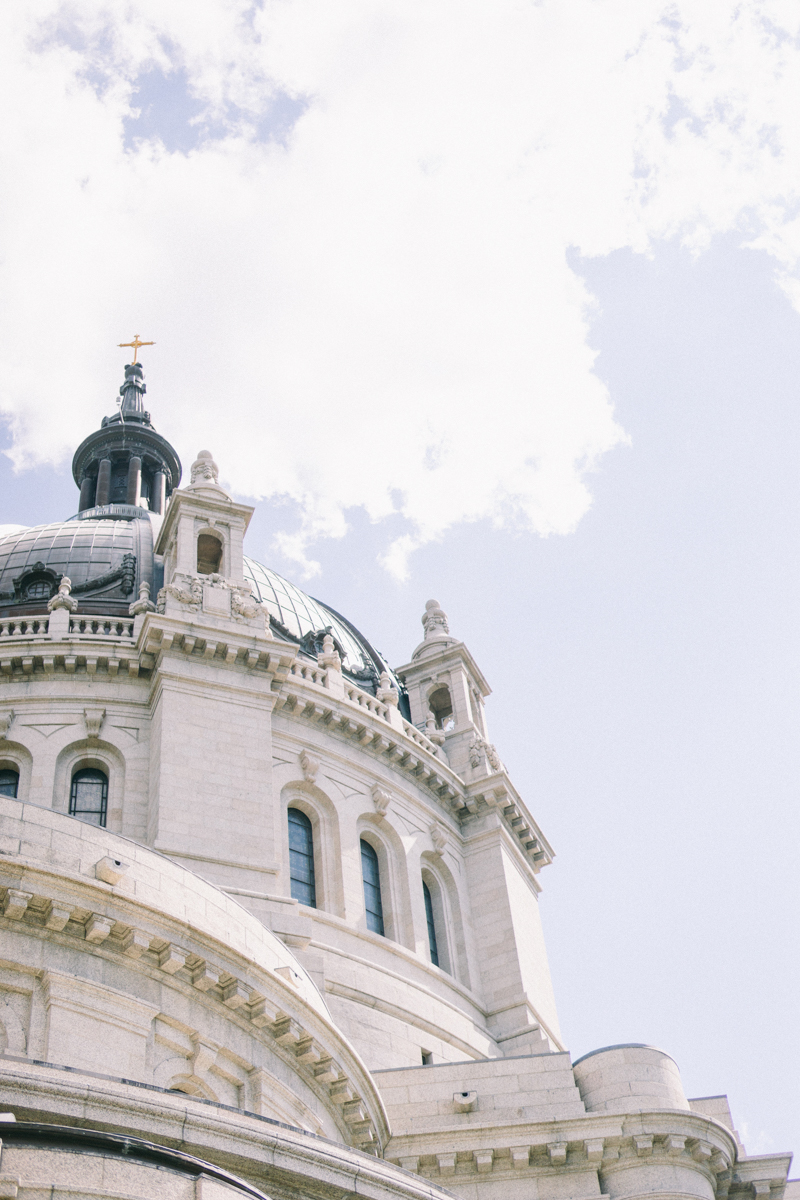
x,y
480,750
188,590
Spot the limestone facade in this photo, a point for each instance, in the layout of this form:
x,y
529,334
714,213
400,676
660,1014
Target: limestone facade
x,y
183,1012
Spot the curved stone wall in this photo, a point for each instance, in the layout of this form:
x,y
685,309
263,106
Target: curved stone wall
x,y
629,1078
119,962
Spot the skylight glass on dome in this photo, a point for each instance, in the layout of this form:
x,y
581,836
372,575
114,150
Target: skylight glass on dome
x,y
298,613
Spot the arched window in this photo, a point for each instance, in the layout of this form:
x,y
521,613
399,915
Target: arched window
x,y
209,554
9,782
371,874
88,798
441,705
426,891
301,858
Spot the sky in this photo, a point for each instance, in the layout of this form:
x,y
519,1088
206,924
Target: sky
x,y
497,304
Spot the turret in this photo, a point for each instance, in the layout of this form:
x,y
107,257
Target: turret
x,y
446,692
126,469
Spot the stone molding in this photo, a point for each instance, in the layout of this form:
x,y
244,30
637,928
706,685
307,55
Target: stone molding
x,y
306,1053
308,1164
600,1141
302,691
81,912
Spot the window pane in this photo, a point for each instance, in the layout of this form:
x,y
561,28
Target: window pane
x,y
372,887
89,796
9,783
431,926
301,858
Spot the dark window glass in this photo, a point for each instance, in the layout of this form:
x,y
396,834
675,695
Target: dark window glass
x,y
38,591
89,796
372,887
301,858
426,891
9,783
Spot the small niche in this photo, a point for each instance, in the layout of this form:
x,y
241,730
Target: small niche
x,y
441,705
209,554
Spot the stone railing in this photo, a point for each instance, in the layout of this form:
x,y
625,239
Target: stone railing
x,y
308,672
27,627
101,626
365,700
24,627
420,738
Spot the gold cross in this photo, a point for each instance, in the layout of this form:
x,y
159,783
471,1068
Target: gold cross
x,y
134,345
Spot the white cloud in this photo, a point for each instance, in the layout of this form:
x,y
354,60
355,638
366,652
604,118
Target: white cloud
x,y
375,310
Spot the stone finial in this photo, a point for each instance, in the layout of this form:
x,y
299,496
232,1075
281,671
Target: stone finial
x,y
381,799
432,733
5,722
387,692
144,603
329,656
204,470
309,766
93,720
434,620
62,598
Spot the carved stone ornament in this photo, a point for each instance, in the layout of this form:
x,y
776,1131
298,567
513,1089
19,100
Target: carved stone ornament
x,y
186,589
144,603
93,720
62,598
439,839
204,469
309,766
434,620
432,733
329,656
480,749
381,799
387,692
243,606
6,719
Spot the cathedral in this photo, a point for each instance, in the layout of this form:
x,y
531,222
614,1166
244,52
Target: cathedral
x,y
269,904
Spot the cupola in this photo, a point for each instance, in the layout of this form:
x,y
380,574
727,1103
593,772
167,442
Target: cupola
x,y
125,469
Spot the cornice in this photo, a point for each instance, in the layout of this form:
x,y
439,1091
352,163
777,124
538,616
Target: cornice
x,y
142,647
601,1141
71,910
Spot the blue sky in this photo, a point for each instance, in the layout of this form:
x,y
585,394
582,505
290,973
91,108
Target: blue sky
x,y
512,326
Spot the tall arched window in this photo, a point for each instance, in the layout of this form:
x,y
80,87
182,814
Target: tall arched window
x,y
301,858
371,874
9,782
426,891
88,798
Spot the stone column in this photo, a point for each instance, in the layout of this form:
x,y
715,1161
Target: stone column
x,y
134,481
103,482
87,487
159,493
